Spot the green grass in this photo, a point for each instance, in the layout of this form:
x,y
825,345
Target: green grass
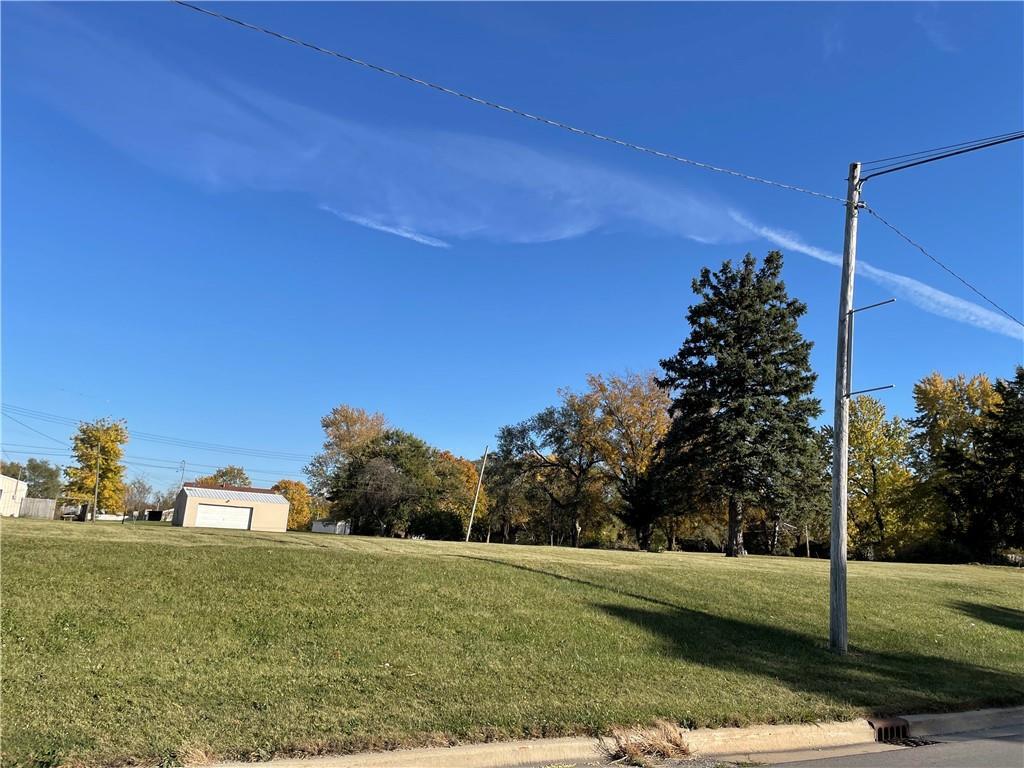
x,y
138,643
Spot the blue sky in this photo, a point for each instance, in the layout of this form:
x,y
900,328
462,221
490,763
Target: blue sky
x,y
219,236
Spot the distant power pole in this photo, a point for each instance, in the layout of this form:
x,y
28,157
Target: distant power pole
x,y
182,484
476,496
96,488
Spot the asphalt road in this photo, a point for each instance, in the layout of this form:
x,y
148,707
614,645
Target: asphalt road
x,y
992,748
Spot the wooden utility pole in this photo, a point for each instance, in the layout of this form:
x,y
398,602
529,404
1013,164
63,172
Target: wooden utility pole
x,y
476,496
837,634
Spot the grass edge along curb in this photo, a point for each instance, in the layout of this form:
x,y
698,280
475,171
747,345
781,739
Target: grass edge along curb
x,y
702,741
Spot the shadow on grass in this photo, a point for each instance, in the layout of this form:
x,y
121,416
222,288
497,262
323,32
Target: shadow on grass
x,y
994,614
573,580
883,683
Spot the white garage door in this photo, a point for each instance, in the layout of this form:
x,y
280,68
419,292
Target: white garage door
x,y
220,516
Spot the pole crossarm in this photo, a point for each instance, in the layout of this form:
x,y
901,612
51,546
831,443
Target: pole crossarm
x,y
872,306
869,389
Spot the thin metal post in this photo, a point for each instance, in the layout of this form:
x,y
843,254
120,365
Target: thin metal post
x,y
837,629
96,487
476,496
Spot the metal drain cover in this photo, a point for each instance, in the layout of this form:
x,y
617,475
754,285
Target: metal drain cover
x,y
905,742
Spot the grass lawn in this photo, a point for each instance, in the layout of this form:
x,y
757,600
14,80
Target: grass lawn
x,y
127,644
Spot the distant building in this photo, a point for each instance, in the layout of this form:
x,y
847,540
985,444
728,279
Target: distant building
x,y
331,526
12,492
230,506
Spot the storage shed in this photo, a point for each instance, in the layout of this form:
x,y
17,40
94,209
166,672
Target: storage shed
x,y
230,506
12,493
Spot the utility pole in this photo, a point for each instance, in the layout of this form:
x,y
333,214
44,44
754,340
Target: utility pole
x,y
476,496
837,634
96,488
182,483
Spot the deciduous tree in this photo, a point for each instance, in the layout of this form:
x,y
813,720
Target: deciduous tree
x,y
983,477
949,414
300,508
384,483
880,481
98,446
229,475
631,421
559,447
346,430
43,478
137,494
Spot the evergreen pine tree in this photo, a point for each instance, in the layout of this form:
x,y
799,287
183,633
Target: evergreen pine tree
x,y
741,386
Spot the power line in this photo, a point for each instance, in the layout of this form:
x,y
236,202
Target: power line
x,y
932,158
508,109
26,426
155,438
922,249
956,149
938,149
174,464
132,461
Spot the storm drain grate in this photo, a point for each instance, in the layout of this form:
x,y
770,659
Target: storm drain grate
x,y
910,742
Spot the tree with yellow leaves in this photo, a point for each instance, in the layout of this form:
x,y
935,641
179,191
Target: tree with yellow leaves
x,y
97,448
631,419
229,475
950,413
346,430
881,521
300,509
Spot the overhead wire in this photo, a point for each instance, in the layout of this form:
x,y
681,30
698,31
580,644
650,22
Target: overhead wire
x,y
935,259
919,158
505,108
939,149
893,167
33,429
52,418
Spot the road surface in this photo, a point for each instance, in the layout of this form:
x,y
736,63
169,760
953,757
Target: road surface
x,y
992,748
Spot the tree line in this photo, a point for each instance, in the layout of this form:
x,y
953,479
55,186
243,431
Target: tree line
x,y
715,450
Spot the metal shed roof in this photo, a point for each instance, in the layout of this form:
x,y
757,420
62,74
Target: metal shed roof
x,y
225,495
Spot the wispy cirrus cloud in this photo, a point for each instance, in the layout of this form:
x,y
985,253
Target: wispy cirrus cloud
x,y
917,293
369,223
432,187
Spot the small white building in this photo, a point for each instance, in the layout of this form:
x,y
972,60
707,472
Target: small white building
x,y
331,526
12,492
229,506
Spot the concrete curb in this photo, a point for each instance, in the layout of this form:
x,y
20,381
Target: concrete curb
x,y
764,740
765,743
504,754
958,722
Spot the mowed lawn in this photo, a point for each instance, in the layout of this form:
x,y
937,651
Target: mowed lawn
x,y
152,644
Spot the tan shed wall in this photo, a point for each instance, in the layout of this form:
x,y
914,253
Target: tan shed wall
x,y
271,518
